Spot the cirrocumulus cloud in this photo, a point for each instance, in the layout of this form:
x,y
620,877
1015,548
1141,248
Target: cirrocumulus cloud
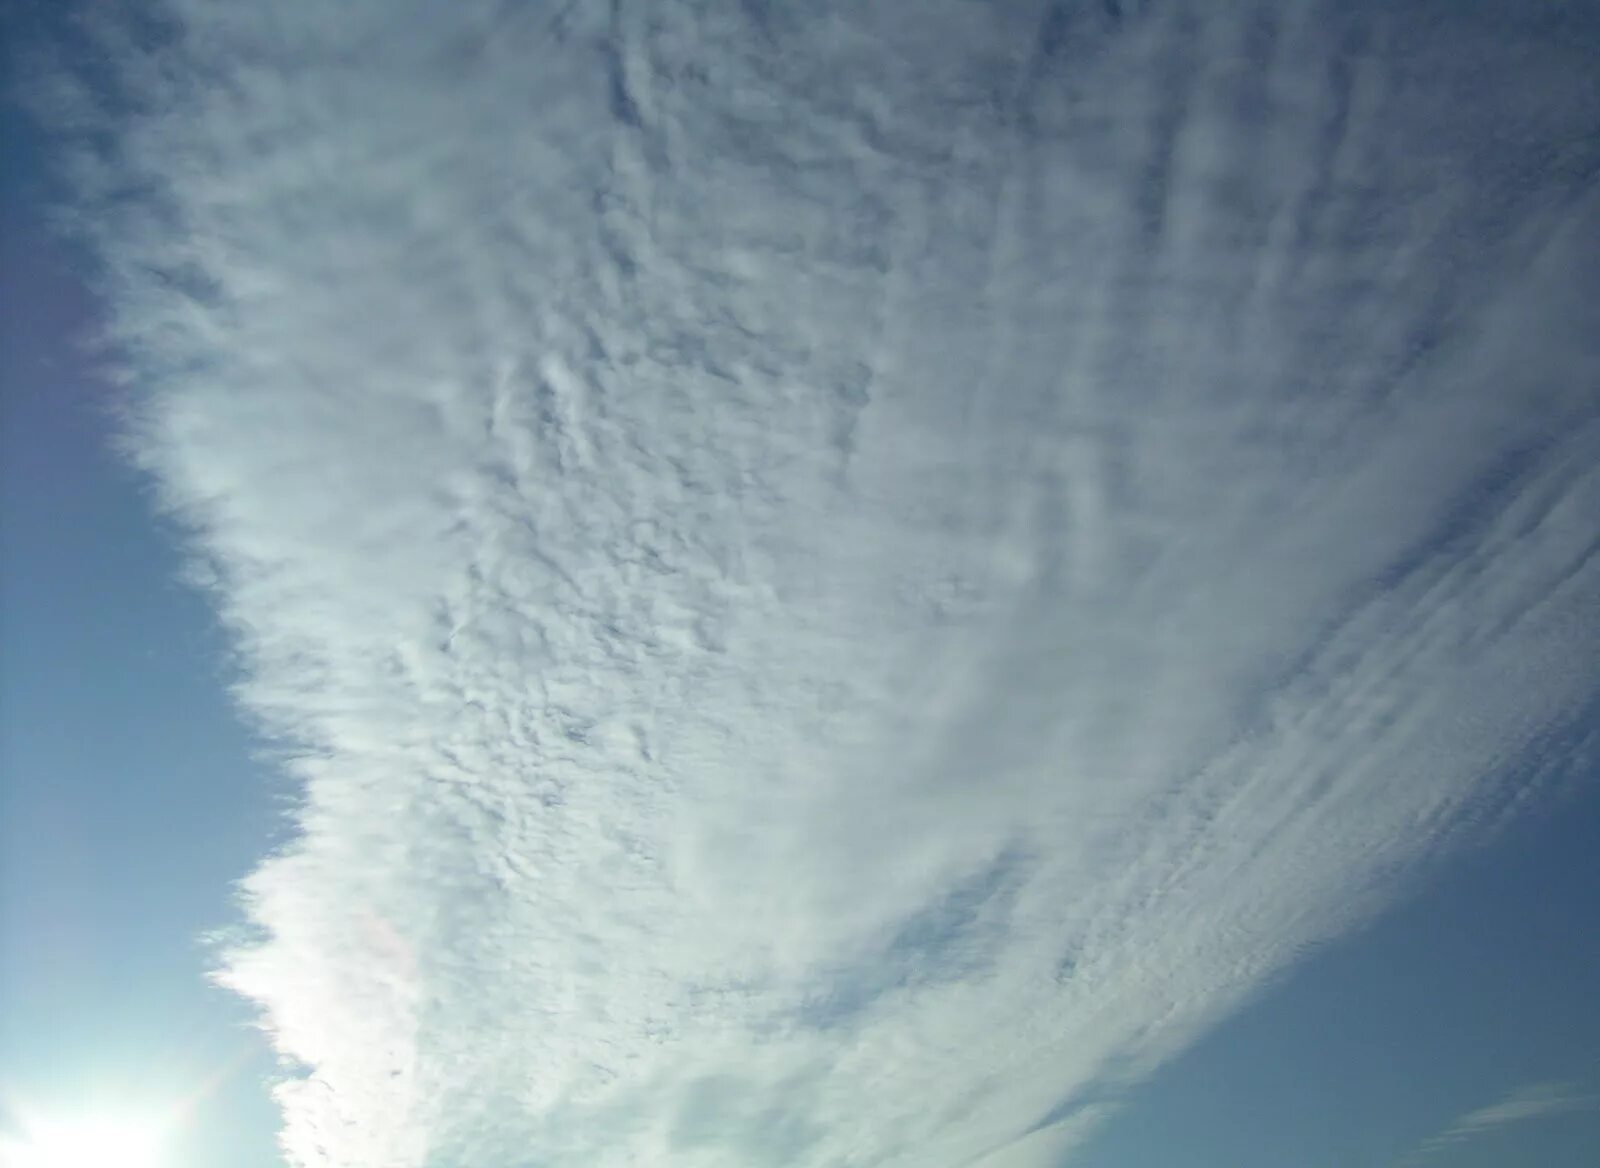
x,y
837,581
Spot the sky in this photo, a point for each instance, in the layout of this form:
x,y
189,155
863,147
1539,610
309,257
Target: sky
x,y
1006,584
130,797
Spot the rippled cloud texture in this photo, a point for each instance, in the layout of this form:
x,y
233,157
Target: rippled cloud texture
x,y
841,579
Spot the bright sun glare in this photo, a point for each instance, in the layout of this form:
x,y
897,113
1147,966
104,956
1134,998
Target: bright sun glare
x,y
88,1143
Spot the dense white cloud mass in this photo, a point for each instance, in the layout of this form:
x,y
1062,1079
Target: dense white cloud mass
x,y
842,578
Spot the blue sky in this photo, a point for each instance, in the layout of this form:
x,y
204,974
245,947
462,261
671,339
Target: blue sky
x,y
131,799
830,595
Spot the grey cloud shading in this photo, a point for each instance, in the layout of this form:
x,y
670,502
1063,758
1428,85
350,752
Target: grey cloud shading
x,y
834,576
949,939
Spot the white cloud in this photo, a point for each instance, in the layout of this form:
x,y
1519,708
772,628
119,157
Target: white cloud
x,y
1539,1101
840,585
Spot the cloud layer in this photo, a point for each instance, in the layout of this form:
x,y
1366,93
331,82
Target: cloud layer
x,y
840,580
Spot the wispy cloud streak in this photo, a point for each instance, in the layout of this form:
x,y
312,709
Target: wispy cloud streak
x,y
837,585
1540,1101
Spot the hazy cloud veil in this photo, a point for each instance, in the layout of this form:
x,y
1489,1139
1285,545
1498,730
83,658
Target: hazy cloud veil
x,y
840,578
